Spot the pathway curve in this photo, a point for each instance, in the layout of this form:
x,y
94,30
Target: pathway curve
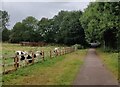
x,y
93,72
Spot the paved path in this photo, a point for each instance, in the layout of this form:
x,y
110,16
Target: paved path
x,y
93,72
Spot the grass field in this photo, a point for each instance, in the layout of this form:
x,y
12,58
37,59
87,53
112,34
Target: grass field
x,y
111,61
9,49
57,71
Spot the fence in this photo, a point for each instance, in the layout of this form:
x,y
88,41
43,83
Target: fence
x,y
33,44
14,63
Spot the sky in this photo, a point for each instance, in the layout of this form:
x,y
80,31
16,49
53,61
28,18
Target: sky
x,y
20,10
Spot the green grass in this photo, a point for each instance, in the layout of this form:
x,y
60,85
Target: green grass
x,y
110,59
9,49
57,71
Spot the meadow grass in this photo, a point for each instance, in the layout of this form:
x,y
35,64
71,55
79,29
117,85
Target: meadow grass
x,y
110,59
60,70
9,49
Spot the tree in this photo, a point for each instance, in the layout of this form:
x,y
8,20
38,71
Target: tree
x,y
4,19
4,32
31,27
5,35
17,33
27,30
68,29
45,29
100,21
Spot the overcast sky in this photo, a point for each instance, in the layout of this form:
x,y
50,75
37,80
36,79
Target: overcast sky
x,y
20,10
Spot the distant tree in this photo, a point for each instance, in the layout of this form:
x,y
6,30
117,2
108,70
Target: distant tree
x,y
45,30
4,19
27,30
68,28
31,27
5,35
17,33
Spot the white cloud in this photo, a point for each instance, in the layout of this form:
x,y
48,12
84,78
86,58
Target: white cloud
x,y
47,0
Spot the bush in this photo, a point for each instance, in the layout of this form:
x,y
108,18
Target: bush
x,y
78,46
107,49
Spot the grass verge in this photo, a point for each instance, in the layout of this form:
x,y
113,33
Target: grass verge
x,y
110,59
57,71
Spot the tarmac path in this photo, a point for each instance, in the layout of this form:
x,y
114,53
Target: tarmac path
x,y
93,72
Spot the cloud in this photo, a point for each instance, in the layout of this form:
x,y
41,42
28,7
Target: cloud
x,y
48,0
20,10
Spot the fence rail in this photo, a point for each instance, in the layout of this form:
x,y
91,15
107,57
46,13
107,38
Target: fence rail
x,y
16,64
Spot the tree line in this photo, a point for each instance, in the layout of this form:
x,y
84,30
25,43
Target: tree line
x,y
98,23
64,28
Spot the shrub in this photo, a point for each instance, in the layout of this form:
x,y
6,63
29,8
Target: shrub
x,y
78,46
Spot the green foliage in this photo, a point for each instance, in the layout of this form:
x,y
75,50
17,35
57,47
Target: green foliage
x,y
69,31
4,18
118,41
46,30
4,32
78,46
25,30
17,31
101,23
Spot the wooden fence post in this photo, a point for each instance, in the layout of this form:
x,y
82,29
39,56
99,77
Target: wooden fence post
x,y
16,62
50,54
70,49
43,55
3,65
32,58
65,50
56,53
60,52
